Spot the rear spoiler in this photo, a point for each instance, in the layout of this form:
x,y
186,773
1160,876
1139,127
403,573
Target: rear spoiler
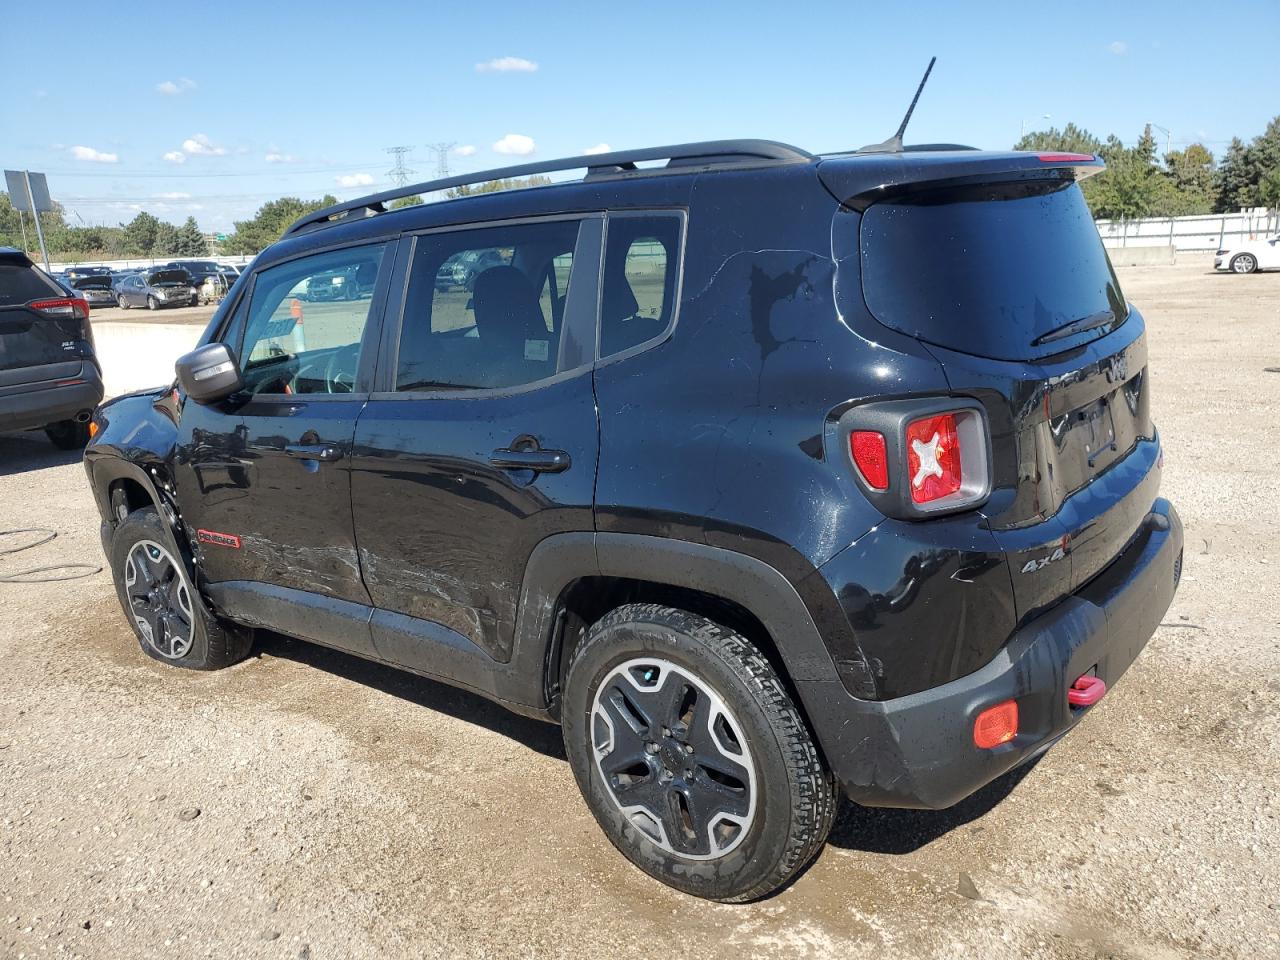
x,y
857,181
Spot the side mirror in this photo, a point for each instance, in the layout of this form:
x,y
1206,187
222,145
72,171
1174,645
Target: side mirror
x,y
209,373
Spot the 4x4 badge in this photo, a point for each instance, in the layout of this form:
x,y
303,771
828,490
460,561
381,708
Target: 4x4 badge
x,y
220,539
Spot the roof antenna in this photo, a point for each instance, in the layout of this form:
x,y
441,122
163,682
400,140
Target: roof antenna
x,y
894,143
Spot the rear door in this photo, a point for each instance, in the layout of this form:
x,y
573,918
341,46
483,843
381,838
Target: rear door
x,y
1010,287
482,440
36,346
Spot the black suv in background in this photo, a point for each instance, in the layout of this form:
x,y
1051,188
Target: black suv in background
x,y
766,475
49,375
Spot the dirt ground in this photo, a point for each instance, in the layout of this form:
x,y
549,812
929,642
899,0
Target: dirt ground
x,y
308,804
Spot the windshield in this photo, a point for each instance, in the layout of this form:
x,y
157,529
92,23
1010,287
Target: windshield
x,y
1014,271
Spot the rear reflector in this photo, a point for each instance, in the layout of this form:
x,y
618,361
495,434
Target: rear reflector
x,y
870,457
996,725
1066,157
933,458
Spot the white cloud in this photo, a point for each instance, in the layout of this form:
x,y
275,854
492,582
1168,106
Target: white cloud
x,y
275,156
1118,47
201,145
354,180
171,88
598,148
174,195
516,143
176,156
507,65
96,156
465,150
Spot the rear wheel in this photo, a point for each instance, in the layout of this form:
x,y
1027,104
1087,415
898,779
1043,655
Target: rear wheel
x,y
692,756
167,616
1244,263
68,434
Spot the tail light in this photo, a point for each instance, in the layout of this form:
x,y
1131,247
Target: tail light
x,y
919,458
1066,157
64,308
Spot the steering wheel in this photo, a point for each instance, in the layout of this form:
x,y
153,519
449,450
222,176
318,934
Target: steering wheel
x,y
339,372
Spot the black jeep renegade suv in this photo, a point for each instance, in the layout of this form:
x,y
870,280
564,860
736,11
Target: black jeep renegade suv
x,y
766,475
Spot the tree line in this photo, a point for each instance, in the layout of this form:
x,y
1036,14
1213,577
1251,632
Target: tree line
x,y
1137,183
143,236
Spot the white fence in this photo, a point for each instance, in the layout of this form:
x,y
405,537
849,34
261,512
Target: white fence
x,y
1207,232
139,263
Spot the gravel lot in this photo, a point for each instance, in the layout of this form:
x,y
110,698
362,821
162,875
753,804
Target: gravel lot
x,y
307,804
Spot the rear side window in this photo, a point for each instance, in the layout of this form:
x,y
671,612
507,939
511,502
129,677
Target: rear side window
x,y
21,284
485,307
638,292
1013,271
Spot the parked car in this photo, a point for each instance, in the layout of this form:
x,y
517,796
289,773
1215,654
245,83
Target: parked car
x,y
462,270
153,289
49,373
1250,256
766,475
75,273
96,289
119,276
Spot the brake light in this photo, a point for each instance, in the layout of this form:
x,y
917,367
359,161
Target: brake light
x,y
870,457
64,308
1065,157
996,725
933,458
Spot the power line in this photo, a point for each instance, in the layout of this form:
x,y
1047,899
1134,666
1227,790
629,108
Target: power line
x,y
399,174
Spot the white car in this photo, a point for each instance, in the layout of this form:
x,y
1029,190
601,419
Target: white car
x,y
1250,255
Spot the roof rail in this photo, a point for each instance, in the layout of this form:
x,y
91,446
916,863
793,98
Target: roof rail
x,y
684,155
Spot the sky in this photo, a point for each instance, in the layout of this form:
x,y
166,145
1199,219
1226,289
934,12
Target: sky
x,y
184,119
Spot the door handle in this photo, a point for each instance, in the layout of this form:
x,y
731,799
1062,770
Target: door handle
x,y
313,451
541,461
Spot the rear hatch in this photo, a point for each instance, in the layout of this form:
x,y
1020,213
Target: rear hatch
x,y
36,346
1002,275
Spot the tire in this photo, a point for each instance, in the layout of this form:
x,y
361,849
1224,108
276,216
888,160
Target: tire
x,y
173,626
68,434
718,842
152,303
194,302
122,303
1244,263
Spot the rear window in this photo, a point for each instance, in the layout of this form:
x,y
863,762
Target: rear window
x,y
1013,271
20,284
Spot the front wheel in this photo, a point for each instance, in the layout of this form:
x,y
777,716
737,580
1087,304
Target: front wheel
x,y
167,616
692,756
153,303
1244,263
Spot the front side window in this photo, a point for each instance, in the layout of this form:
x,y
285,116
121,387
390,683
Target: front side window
x,y
306,320
640,273
485,307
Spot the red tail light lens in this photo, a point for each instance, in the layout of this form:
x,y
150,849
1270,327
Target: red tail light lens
x,y
870,457
996,725
1065,157
64,308
933,458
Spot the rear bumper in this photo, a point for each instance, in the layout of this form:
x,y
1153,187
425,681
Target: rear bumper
x,y
918,750
31,405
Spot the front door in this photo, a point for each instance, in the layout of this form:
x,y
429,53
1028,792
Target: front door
x,y
264,477
483,440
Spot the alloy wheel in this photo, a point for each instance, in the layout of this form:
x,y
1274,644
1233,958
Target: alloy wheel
x,y
1243,264
673,758
159,599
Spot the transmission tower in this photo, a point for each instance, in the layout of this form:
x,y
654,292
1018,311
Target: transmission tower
x,y
399,174
441,150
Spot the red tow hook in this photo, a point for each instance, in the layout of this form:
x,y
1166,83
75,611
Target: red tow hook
x,y
1086,691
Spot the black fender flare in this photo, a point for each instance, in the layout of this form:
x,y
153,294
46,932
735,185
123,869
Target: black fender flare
x,y
750,583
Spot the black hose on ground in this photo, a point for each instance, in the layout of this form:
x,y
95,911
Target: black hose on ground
x,y
71,571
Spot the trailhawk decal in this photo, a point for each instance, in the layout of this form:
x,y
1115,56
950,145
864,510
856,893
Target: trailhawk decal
x,y
219,539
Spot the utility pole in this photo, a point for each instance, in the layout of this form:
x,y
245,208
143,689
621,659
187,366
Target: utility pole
x,y
1168,137
441,150
399,174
